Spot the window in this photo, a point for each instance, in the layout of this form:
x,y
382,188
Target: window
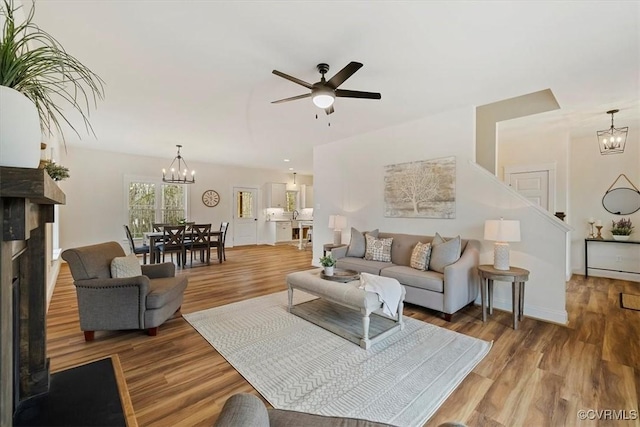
x,y
150,202
292,201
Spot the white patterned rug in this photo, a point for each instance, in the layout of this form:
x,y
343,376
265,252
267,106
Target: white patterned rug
x,y
296,365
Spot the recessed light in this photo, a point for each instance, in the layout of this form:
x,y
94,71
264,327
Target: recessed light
x,y
287,160
290,169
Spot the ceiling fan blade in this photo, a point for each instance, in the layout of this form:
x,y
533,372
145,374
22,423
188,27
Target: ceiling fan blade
x,y
293,79
293,98
341,93
329,109
343,74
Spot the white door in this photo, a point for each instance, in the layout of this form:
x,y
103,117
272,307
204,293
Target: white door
x,y
245,216
532,185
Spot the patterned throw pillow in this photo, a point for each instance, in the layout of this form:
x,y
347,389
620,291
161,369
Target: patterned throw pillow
x,y
378,249
420,256
444,252
126,266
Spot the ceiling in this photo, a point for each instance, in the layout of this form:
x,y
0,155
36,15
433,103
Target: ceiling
x,y
198,73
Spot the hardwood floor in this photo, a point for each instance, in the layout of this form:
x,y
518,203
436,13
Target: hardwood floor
x,y
540,375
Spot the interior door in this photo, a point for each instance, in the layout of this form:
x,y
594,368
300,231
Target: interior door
x,y
533,185
245,217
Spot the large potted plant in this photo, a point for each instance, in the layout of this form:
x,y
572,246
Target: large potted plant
x,y
37,79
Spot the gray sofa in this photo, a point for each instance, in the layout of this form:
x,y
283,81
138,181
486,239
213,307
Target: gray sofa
x,y
446,292
247,410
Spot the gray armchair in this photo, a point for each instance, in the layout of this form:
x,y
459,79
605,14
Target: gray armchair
x,y
107,304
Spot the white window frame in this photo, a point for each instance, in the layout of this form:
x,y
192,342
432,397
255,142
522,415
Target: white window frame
x,y
128,179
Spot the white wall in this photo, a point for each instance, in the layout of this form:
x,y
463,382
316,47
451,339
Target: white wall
x,y
349,180
590,176
96,196
536,148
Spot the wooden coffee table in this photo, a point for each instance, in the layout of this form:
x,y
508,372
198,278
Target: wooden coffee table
x,y
343,308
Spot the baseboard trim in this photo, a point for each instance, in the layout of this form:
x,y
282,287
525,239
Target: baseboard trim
x,y
535,312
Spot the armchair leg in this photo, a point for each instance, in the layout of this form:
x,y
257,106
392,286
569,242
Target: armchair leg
x,y
447,316
152,332
89,335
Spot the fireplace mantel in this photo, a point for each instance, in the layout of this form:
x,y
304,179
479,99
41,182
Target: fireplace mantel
x,y
27,199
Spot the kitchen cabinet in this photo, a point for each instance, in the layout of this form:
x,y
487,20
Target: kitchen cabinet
x,y
283,231
278,231
275,195
307,199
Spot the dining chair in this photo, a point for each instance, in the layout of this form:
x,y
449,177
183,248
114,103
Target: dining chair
x,y
173,241
142,249
158,226
219,242
200,240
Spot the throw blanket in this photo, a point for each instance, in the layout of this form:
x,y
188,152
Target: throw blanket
x,y
389,291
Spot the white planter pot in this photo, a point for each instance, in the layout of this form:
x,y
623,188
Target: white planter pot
x,y
20,134
328,271
621,238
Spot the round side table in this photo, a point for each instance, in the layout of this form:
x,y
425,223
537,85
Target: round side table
x,y
328,247
517,277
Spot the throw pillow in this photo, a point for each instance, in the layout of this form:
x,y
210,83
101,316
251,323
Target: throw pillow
x,y
126,266
420,256
357,244
444,252
378,249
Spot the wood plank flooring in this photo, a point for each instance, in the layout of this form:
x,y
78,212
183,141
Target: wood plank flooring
x,y
540,375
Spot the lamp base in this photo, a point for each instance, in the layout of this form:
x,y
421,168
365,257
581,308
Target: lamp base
x,y
337,237
501,256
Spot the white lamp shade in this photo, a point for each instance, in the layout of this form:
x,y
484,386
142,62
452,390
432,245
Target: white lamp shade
x,y
337,222
501,230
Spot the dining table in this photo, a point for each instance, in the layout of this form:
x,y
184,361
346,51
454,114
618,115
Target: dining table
x,y
154,237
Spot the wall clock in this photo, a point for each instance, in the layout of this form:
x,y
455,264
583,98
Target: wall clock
x,y
210,198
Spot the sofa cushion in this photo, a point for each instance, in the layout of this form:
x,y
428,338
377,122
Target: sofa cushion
x,y
429,280
362,265
420,256
164,290
378,249
444,252
125,266
357,244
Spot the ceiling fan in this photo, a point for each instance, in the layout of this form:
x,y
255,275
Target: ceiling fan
x,y
324,92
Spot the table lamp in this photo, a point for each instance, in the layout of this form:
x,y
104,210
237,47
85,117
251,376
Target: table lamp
x,y
501,231
337,222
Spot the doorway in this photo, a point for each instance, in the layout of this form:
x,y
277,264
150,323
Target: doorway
x,y
245,216
535,182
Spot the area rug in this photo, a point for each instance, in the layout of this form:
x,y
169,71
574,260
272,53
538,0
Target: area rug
x,y
296,365
630,302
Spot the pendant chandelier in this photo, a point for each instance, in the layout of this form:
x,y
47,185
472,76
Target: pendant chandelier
x,y
178,171
612,140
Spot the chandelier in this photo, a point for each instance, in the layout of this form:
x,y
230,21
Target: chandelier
x,y
178,172
612,140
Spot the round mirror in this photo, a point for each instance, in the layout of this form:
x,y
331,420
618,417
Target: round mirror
x,y
621,201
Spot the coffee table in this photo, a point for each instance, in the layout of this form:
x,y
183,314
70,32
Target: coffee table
x,y
343,308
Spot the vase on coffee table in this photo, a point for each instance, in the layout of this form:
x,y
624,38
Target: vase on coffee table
x,y
328,271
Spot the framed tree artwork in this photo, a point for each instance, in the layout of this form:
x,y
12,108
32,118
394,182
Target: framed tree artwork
x,y
421,189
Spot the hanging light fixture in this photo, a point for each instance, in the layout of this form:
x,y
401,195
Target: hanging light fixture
x,y
178,172
612,140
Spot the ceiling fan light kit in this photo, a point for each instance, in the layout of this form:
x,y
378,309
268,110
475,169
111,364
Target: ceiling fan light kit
x,y
324,92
